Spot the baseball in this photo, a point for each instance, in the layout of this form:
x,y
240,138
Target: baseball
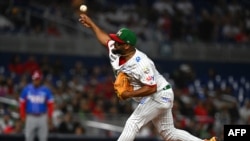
x,y
83,8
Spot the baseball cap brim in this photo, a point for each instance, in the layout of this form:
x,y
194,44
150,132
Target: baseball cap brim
x,y
36,78
116,38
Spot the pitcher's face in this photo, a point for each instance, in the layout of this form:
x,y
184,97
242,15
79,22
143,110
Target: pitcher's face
x,y
119,48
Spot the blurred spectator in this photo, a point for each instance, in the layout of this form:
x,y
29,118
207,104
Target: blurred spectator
x,y
18,127
79,130
77,84
241,36
58,68
57,116
84,109
185,105
98,110
68,125
244,112
22,82
164,24
45,65
16,66
234,7
11,86
30,65
6,124
201,112
3,86
105,88
206,27
234,113
229,30
162,6
183,76
52,30
79,70
185,7
59,99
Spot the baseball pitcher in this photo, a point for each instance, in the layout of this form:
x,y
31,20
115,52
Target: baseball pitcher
x,y
135,69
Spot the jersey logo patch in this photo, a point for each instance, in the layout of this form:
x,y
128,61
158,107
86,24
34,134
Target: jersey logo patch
x,y
165,99
146,70
36,98
138,59
149,78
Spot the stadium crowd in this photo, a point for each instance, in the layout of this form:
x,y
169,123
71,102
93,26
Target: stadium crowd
x,y
202,104
170,20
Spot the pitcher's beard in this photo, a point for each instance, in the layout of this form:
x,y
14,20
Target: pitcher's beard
x,y
116,51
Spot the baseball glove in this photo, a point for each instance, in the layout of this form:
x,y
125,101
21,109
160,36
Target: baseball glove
x,y
122,84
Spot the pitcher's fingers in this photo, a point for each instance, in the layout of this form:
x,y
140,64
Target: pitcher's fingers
x,y
86,25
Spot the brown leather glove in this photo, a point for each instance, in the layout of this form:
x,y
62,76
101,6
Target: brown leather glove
x,y
122,84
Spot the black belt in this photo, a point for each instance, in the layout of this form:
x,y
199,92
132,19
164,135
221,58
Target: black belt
x,y
166,87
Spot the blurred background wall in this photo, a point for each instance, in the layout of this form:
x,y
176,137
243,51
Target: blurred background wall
x,y
202,47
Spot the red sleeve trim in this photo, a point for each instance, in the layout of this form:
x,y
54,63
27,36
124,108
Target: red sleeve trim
x,y
107,44
152,85
22,110
50,109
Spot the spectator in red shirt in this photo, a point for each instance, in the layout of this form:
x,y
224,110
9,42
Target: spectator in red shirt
x,y
202,113
16,66
31,65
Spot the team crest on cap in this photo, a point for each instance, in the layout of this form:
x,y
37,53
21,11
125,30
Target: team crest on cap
x,y
36,75
124,35
119,33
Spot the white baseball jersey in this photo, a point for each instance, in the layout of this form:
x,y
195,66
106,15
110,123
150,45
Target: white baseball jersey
x,y
139,68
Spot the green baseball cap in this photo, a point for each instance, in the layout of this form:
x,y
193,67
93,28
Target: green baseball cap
x,y
124,35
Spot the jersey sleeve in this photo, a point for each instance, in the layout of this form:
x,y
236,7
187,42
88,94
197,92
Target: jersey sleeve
x,y
23,95
22,103
110,44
